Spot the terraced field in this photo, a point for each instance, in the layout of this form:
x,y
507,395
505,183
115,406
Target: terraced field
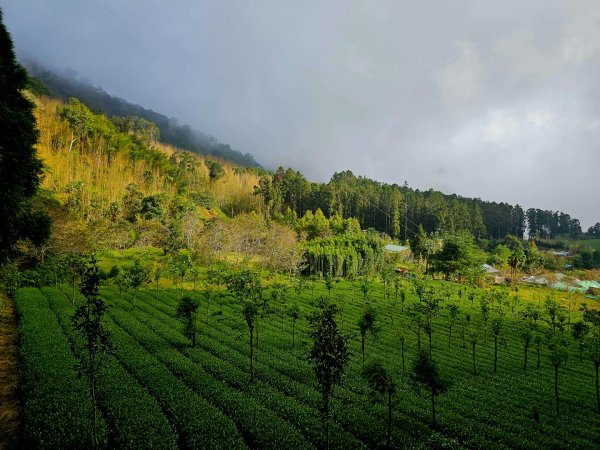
x,y
158,392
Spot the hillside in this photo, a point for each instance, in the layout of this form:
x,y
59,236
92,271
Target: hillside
x,y
118,190
171,132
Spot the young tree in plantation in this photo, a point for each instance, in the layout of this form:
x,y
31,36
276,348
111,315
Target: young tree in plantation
x,y
246,288
20,169
329,283
484,306
380,382
593,350
473,341
402,339
593,344
278,295
329,356
74,266
496,330
88,322
429,306
179,264
137,276
364,287
294,313
416,322
452,315
579,330
426,375
558,350
537,341
187,310
367,323
526,334
156,276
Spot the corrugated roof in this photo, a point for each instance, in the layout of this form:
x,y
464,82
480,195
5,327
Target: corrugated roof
x,y
395,248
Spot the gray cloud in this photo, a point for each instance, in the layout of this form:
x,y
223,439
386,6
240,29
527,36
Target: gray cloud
x,y
490,99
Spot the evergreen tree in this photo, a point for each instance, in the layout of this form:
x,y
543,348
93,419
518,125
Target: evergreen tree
x,y
20,169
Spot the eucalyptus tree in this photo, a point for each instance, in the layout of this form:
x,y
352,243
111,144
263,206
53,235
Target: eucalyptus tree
x,y
367,323
381,382
329,356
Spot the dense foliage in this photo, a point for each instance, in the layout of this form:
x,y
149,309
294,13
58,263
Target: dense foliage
x,y
20,168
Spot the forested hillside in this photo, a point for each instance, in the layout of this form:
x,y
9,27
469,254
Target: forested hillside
x,y
171,132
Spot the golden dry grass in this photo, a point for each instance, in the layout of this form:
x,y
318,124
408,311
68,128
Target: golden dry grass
x,y
105,176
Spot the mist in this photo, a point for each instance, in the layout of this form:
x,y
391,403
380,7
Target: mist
x,y
483,99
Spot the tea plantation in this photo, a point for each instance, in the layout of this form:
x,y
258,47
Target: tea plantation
x,y
157,391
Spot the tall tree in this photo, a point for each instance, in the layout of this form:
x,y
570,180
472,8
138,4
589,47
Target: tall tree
x,y
187,310
381,382
20,169
329,356
426,375
367,323
88,322
246,288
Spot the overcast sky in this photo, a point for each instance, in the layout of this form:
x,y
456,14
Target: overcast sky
x,y
497,100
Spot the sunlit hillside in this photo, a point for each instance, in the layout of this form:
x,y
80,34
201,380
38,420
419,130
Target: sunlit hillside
x,y
91,167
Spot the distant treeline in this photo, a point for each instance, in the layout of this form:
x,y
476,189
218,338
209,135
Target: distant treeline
x,y
182,136
399,210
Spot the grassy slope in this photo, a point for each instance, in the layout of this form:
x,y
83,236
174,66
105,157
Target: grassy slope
x,y
593,243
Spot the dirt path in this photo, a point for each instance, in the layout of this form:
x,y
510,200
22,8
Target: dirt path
x,y
9,376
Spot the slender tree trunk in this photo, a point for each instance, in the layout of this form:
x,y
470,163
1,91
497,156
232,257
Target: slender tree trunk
x,y
389,429
256,333
433,408
326,418
194,331
495,353
293,335
556,390
251,356
597,365
525,356
449,334
538,356
402,356
419,338
474,368
363,349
